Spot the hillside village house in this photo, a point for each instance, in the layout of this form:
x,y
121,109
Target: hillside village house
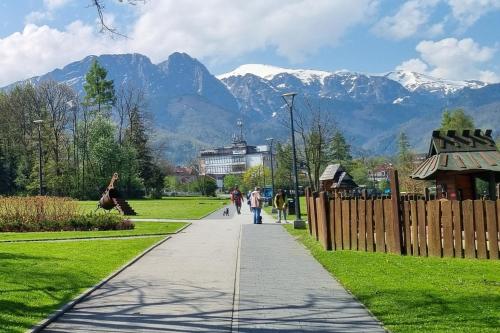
x,y
456,160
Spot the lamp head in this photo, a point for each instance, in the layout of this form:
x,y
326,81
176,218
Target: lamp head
x,y
38,121
289,96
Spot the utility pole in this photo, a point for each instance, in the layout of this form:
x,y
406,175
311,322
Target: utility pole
x,y
270,140
298,223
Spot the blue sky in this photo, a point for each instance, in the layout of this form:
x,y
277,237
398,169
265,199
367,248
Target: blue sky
x,y
453,39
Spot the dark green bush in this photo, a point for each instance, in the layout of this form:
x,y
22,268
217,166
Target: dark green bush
x,y
91,221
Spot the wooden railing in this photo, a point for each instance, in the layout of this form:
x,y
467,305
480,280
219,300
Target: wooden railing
x,y
440,228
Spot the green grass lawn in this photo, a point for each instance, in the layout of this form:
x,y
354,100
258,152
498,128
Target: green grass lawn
x,y
38,278
168,208
141,229
413,294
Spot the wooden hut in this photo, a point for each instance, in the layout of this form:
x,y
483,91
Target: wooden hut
x,y
336,179
455,160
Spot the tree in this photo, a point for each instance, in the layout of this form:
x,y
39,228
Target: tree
x,y
230,181
171,183
315,127
255,176
99,92
405,166
283,173
205,185
340,150
456,120
359,172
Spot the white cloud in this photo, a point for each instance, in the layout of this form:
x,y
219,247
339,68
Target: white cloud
x,y
469,11
220,29
212,30
55,4
37,17
46,15
454,59
408,21
414,65
39,49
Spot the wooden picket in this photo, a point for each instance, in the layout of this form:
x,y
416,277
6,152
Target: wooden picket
x,y
331,223
414,228
468,220
369,226
439,228
407,226
338,225
422,234
314,215
379,225
456,208
491,224
354,224
346,217
362,225
447,220
322,221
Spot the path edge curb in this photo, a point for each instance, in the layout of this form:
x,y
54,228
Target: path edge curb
x,y
68,306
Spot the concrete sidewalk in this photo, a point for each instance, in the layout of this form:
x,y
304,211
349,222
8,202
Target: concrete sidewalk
x,y
195,283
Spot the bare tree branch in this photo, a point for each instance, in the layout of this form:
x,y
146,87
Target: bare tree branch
x,y
100,6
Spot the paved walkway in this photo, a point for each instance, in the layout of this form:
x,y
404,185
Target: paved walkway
x,y
194,282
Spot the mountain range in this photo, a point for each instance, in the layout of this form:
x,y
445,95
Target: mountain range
x,y
192,109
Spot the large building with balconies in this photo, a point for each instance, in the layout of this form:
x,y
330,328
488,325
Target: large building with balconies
x,y
234,159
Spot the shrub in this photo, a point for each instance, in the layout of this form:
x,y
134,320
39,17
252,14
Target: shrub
x,y
53,214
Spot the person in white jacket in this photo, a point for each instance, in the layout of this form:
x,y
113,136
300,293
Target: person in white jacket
x,y
256,204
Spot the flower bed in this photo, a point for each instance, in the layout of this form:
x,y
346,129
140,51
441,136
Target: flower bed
x,y
23,214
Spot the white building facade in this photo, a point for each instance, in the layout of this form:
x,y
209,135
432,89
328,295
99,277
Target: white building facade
x,y
234,159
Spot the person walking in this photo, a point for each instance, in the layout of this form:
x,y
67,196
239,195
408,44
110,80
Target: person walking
x,y
237,198
256,205
280,204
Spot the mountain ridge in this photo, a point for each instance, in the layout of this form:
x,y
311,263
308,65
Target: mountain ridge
x,y
195,109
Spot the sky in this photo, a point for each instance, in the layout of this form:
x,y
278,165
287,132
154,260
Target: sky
x,y
451,39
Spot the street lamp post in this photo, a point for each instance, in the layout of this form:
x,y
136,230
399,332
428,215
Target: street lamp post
x,y
270,140
40,177
298,223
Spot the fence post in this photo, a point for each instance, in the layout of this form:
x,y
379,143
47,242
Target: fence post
x,y
309,208
396,213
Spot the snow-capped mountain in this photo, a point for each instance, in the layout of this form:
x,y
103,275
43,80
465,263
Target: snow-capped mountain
x,y
412,81
268,72
192,108
371,108
420,82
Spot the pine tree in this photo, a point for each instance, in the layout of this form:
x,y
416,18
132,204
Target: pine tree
x,y
99,92
137,137
340,150
456,120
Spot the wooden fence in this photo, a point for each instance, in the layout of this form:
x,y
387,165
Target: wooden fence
x,y
468,228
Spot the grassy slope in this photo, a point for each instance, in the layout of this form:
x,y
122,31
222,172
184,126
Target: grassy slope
x,y
168,208
141,228
413,294
37,278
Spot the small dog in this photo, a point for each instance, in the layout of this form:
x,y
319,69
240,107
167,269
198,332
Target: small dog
x,y
225,212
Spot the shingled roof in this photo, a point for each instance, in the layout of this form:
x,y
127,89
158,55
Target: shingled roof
x,y
340,177
468,151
